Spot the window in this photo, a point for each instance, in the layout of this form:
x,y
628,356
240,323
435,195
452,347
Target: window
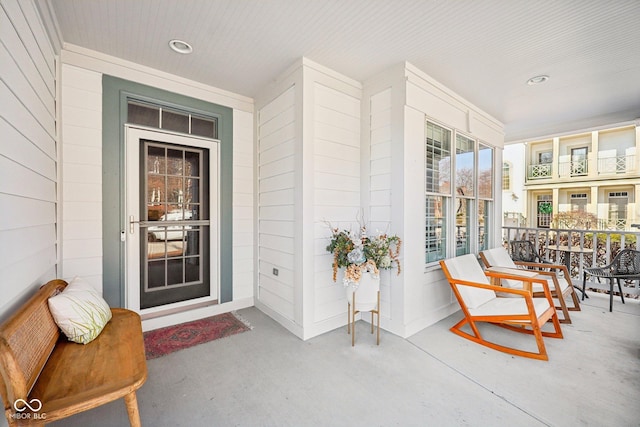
x,y
464,177
545,157
544,210
155,116
618,202
579,161
506,176
579,202
458,216
485,195
438,190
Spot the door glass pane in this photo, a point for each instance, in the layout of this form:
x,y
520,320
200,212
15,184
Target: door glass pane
x,y
175,121
155,189
175,163
175,194
156,274
192,191
141,114
203,127
193,255
192,163
174,248
175,271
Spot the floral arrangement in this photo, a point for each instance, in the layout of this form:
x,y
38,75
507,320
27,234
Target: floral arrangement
x,y
359,253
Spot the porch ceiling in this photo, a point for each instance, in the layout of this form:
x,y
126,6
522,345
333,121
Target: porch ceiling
x,y
484,50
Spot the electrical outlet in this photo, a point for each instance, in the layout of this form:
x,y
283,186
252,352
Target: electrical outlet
x,y
275,271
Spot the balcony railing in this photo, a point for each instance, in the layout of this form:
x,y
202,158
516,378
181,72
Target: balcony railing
x,y
573,168
612,224
539,171
615,165
585,248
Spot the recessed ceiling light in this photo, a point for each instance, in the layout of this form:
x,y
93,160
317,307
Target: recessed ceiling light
x,y
180,46
537,80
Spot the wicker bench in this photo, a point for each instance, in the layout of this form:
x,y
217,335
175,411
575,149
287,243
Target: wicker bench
x,y
44,377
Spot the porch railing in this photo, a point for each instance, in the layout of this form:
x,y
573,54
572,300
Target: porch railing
x,y
584,248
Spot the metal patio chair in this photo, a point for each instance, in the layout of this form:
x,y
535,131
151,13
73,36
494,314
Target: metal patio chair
x,y
625,266
525,251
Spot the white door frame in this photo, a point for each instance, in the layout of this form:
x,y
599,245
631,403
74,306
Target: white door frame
x,y
133,134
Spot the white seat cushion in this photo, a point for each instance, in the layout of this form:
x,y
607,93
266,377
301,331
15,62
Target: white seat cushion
x,y
466,267
502,306
499,257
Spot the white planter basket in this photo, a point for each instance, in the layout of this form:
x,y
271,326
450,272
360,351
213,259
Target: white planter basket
x,y
363,297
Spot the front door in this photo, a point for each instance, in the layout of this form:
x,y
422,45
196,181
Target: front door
x,y
172,215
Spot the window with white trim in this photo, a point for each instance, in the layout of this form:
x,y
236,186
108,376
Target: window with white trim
x,y
465,192
544,210
459,193
618,202
485,195
579,202
506,176
438,190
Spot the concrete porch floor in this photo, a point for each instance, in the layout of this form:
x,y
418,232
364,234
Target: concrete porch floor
x,y
268,377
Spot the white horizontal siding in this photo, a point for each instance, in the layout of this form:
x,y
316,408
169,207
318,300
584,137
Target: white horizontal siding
x,y
28,158
13,111
243,200
11,39
380,160
380,184
82,174
336,187
276,201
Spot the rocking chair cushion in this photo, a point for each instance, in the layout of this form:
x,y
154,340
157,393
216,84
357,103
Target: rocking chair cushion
x,y
513,306
463,266
499,257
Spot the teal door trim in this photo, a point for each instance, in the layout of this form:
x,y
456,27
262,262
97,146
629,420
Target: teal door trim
x,y
115,95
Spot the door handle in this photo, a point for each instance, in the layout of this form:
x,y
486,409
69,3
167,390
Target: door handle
x,y
132,222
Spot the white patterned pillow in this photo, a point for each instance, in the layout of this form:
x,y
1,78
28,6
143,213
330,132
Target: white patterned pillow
x,y
80,311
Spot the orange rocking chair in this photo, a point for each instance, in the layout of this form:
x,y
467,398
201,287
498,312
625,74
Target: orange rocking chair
x,y
480,302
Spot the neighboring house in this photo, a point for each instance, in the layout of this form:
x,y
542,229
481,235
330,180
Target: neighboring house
x,y
146,183
592,171
514,196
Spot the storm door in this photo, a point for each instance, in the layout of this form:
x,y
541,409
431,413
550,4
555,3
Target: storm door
x,y
172,239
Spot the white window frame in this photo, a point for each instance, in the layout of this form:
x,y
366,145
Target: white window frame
x,y
450,199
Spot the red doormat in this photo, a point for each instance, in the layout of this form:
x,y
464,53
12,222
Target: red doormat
x,y
160,342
